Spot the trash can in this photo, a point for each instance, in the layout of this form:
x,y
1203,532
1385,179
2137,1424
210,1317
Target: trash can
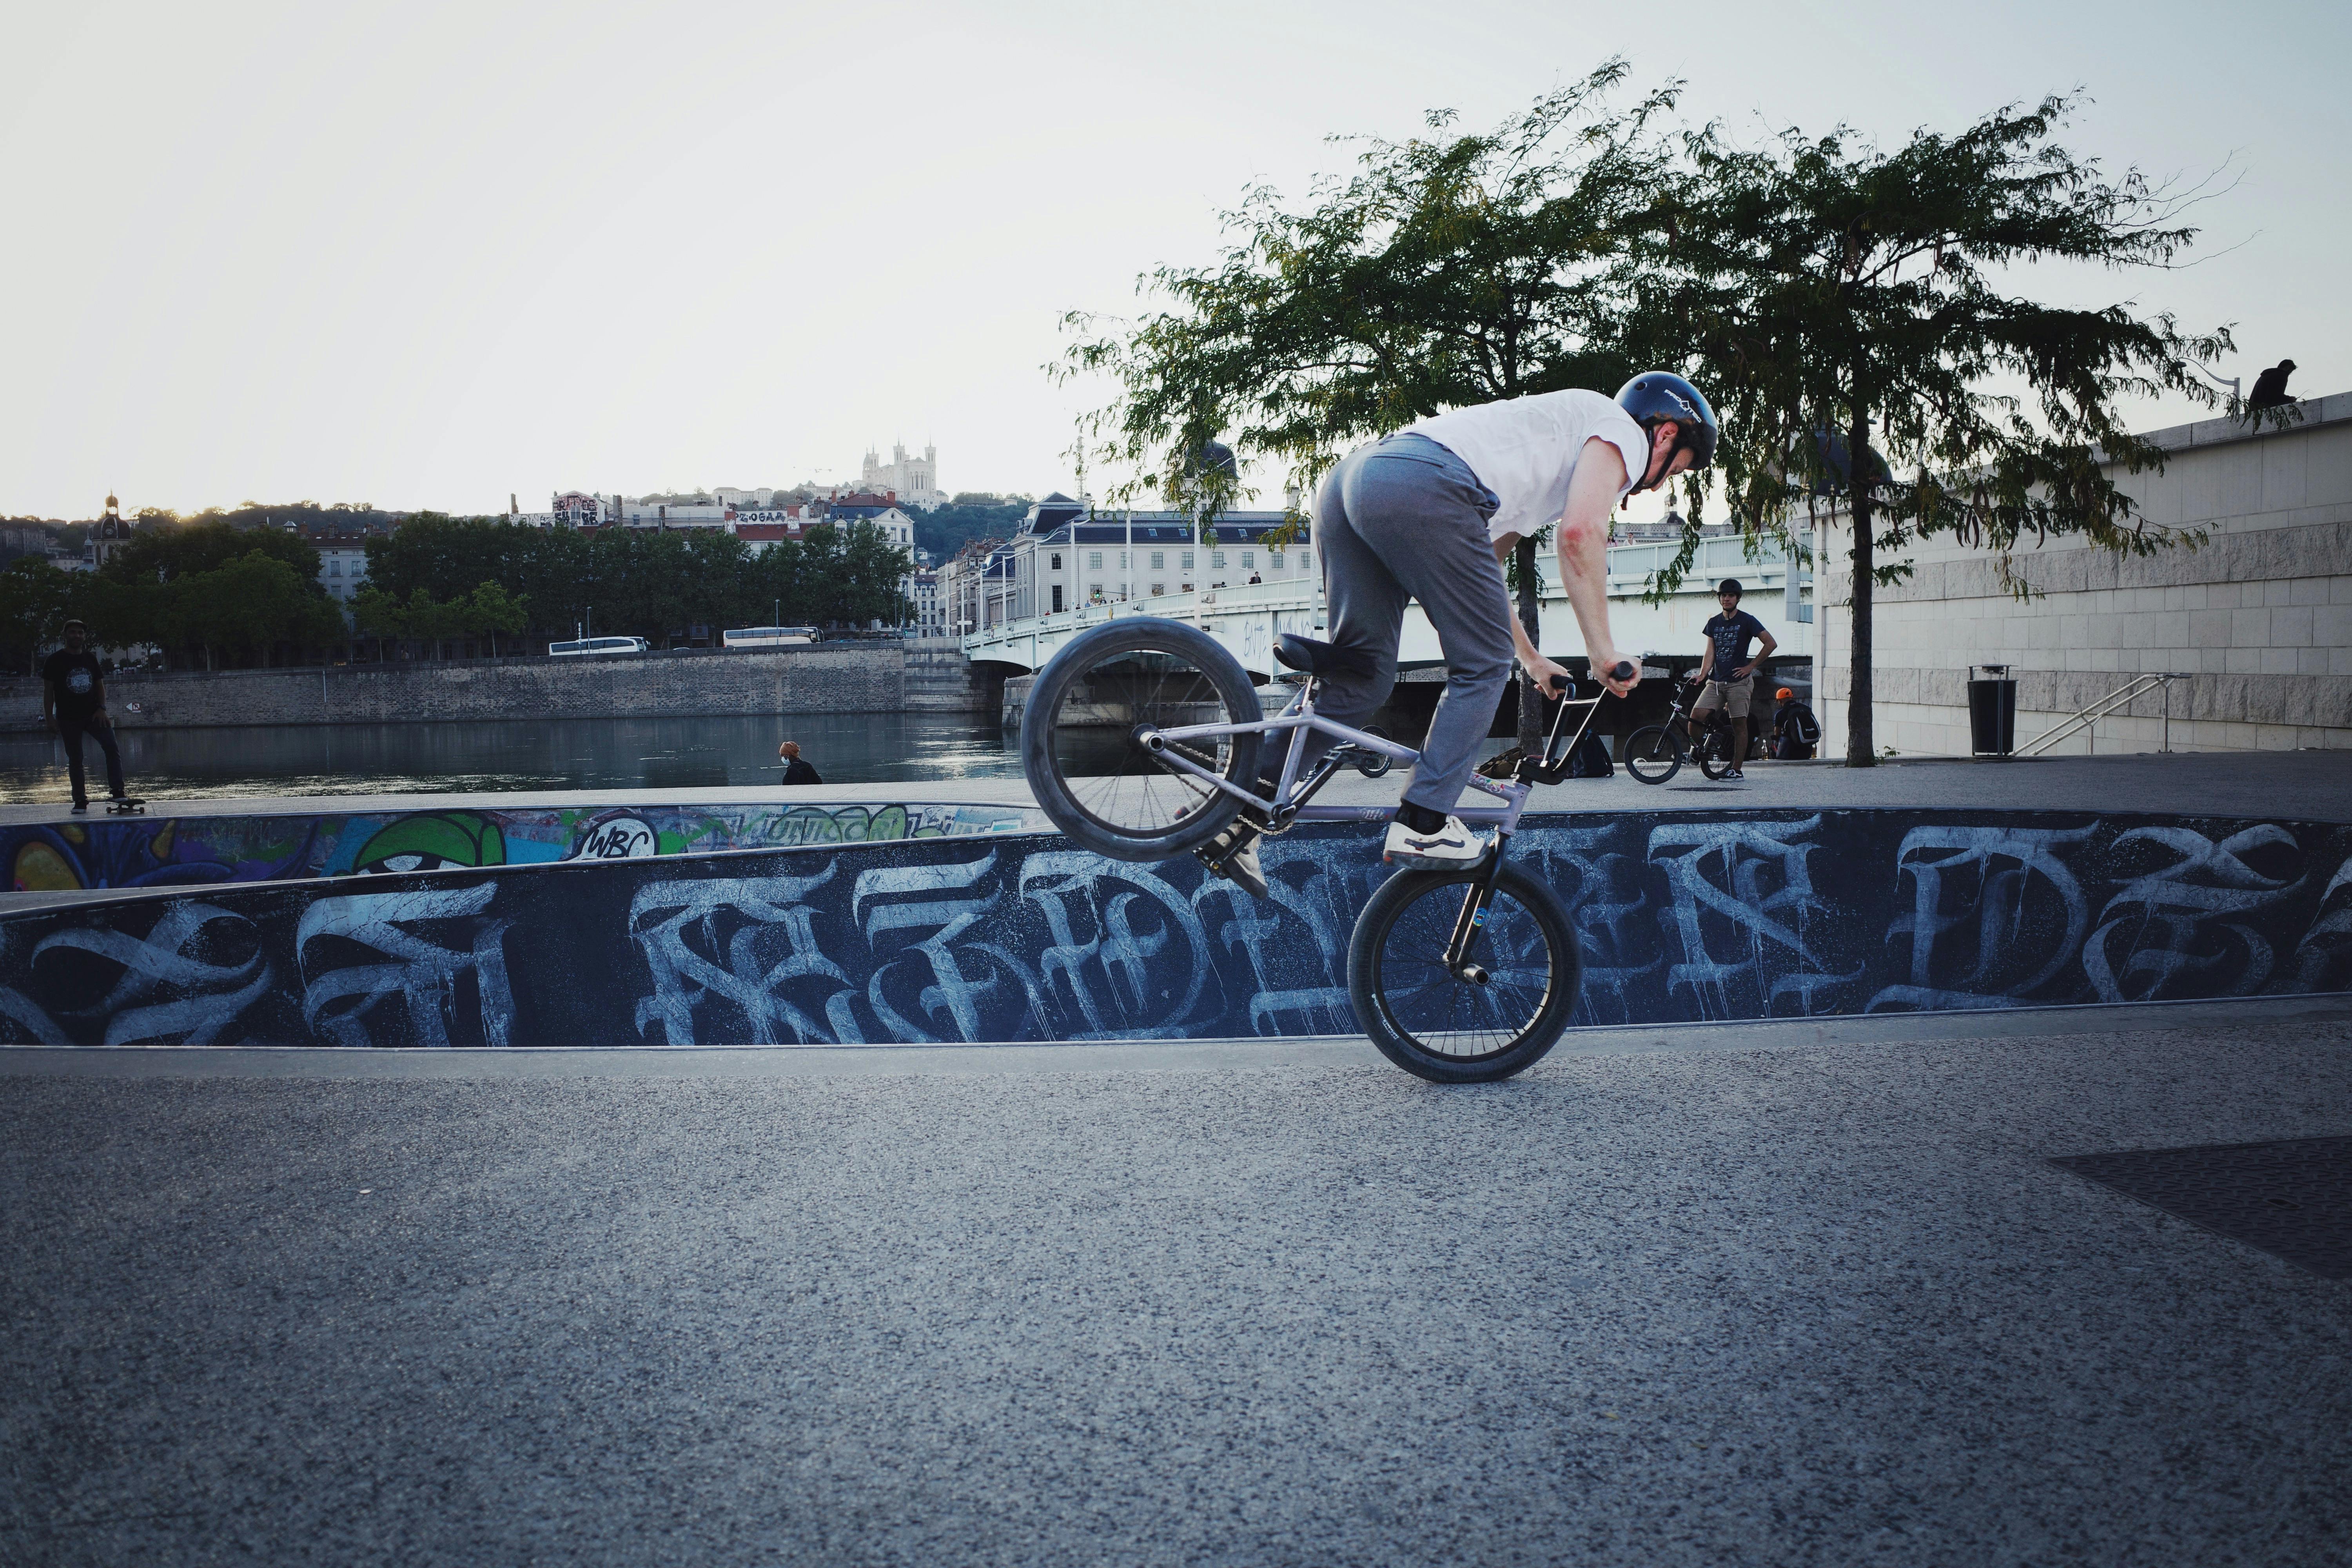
x,y
1992,710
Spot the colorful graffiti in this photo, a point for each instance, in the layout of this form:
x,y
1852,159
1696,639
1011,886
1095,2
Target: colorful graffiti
x,y
194,851
1683,918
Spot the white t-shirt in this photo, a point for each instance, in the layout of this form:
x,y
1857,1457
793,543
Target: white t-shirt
x,y
1525,449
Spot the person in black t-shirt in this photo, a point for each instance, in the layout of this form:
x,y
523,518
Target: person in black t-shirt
x,y
796,771
73,701
1724,666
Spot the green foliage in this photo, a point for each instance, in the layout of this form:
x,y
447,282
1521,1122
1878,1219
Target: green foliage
x,y
1812,285
970,516
649,582
162,553
1829,285
1451,270
486,612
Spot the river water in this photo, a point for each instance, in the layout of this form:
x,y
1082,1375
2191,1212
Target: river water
x,y
519,754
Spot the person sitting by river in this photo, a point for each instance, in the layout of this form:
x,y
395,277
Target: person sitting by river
x,y
796,771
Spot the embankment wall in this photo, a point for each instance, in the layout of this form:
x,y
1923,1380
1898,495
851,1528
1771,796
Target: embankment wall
x,y
1686,917
883,677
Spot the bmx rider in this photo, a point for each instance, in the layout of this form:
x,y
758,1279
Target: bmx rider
x,y
1430,514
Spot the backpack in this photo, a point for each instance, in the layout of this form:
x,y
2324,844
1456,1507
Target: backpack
x,y
1807,728
1590,759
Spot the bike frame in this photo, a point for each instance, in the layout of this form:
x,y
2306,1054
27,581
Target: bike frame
x,y
1293,793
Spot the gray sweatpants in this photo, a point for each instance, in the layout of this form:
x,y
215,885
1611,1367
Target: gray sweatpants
x,y
1398,519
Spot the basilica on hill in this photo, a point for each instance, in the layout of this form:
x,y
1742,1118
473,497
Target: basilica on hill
x,y
915,479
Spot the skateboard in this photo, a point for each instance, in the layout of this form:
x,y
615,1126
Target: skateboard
x,y
128,805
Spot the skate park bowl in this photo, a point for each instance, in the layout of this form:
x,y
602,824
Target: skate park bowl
x,y
611,935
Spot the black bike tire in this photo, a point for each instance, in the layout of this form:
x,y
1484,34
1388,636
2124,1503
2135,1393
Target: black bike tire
x,y
1140,634
1387,906
1634,746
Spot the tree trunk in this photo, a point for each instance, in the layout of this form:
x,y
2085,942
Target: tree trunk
x,y
1860,752
1530,616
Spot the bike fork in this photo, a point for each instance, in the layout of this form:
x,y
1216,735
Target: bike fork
x,y
1473,918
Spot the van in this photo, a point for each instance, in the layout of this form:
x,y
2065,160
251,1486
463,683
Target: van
x,y
597,645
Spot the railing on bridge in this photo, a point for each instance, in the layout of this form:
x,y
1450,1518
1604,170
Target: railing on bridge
x,y
1247,618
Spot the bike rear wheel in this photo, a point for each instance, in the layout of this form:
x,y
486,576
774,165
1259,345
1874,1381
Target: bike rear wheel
x,y
1079,745
1652,754
1430,1022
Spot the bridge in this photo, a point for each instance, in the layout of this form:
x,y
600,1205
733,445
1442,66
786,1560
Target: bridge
x,y
1247,619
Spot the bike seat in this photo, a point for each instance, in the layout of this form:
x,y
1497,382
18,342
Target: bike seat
x,y
1295,652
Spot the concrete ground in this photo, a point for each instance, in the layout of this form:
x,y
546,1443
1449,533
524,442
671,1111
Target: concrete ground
x,y
1782,1293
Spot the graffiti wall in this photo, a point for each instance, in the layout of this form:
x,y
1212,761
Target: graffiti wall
x,y
1690,917
191,851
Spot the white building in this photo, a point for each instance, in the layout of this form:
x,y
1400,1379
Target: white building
x,y
343,569
915,479
642,513
2259,619
930,619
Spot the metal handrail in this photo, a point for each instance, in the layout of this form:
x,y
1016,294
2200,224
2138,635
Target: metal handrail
x,y
2087,719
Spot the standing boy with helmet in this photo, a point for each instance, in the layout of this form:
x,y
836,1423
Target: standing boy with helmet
x,y
1429,514
1734,682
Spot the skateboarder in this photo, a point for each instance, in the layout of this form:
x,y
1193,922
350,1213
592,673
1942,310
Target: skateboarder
x,y
73,701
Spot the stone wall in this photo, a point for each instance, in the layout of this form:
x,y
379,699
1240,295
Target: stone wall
x,y
2260,615
881,677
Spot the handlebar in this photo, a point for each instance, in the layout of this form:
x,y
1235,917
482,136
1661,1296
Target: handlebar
x,y
1559,686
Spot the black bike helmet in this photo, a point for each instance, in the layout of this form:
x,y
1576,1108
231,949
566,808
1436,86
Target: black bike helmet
x,y
1659,394
1730,585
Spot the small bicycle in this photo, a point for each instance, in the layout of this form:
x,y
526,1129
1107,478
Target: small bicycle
x,y
1655,753
1142,741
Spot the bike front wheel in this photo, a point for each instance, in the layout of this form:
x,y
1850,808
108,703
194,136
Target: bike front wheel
x,y
1652,754
1081,744
1434,1023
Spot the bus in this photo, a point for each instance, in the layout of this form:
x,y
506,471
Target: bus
x,y
597,645
767,636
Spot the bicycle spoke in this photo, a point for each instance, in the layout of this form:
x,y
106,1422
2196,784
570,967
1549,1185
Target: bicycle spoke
x,y
1101,769
1454,1018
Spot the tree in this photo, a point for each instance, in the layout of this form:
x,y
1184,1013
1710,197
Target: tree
x,y
492,610
32,608
1827,287
161,554
1452,271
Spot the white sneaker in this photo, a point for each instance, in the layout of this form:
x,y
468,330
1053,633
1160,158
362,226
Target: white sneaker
x,y
1449,849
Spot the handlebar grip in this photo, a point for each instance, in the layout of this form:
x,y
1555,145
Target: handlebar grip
x,y
1625,670
1559,684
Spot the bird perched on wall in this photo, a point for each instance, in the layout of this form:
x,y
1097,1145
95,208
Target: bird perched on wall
x,y
2270,387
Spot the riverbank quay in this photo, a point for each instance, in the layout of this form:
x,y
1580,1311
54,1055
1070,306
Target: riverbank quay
x,y
2305,785
881,677
1748,1295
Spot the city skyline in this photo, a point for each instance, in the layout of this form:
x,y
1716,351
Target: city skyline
x,y
405,258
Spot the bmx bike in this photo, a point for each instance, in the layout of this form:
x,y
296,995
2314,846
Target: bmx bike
x,y
1656,753
1144,740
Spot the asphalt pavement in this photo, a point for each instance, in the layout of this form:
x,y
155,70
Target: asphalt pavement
x,y
1743,1295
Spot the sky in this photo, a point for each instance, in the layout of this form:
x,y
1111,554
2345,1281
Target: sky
x,y
429,255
